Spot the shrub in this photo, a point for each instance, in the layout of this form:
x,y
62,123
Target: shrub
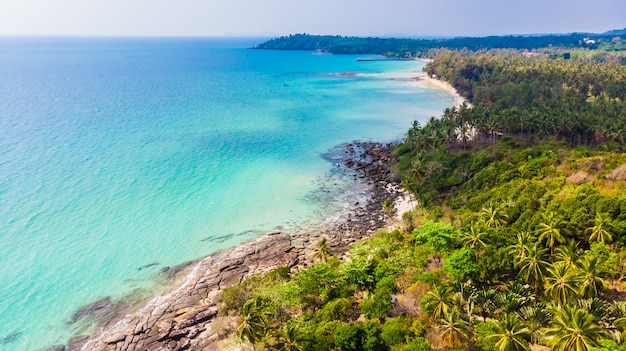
x,y
395,330
418,344
348,337
337,309
618,173
441,236
580,177
461,265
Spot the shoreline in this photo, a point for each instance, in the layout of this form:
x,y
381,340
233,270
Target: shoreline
x,y
447,87
181,317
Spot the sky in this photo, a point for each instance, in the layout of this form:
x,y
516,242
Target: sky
x,y
282,17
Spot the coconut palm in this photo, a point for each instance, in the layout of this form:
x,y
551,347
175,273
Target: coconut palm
x,y
573,329
254,325
550,230
322,251
535,317
292,339
494,216
510,334
569,253
475,238
389,208
454,330
599,232
562,283
521,248
590,273
532,267
439,301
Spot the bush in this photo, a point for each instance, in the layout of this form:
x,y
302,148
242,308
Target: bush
x,y
481,332
396,330
338,309
418,344
618,173
461,265
377,305
358,272
348,337
371,331
441,236
324,336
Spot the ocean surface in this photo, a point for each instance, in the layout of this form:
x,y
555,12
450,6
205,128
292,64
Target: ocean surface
x,y
121,157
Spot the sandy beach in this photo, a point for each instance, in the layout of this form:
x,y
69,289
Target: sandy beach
x,y
183,317
442,85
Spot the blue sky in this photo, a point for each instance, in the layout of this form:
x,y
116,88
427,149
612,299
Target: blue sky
x,y
280,17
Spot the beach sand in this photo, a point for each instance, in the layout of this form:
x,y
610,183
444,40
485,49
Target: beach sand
x,y
442,85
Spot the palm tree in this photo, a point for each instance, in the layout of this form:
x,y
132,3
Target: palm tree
x,y
509,302
599,231
494,216
532,267
618,314
591,283
439,301
562,283
389,208
475,239
550,230
485,299
322,251
522,247
292,339
465,299
599,309
570,254
535,317
254,325
573,330
510,334
454,330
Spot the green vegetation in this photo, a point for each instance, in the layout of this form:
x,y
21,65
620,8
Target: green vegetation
x,y
519,238
608,46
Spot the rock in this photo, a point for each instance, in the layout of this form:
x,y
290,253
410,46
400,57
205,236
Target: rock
x,y
77,342
57,348
91,308
115,338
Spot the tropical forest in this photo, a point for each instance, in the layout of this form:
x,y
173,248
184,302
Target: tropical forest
x,y
517,240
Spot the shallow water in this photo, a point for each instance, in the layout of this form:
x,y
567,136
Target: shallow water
x,y
119,157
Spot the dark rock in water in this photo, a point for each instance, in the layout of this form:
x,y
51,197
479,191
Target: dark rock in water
x,y
148,265
91,308
77,342
57,348
7,339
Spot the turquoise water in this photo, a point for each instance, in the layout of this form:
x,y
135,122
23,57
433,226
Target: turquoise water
x,y
119,157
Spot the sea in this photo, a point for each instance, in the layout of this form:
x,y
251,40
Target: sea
x,y
121,157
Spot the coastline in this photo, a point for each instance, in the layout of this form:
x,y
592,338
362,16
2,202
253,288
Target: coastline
x,y
447,87
181,318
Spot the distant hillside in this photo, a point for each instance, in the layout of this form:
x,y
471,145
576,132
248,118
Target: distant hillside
x,y
615,32
421,47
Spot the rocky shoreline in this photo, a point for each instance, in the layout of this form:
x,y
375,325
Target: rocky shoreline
x,y
182,318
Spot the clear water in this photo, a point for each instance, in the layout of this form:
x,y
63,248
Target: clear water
x,y
119,157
